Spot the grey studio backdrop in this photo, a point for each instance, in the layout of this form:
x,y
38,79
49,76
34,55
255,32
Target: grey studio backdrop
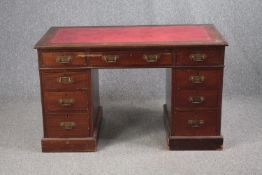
x,y
24,22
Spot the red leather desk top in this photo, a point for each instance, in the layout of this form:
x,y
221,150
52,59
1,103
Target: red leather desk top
x,y
132,35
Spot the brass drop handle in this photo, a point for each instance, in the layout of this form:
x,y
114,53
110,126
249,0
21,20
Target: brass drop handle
x,y
67,125
63,59
66,101
110,58
197,79
151,58
65,80
196,99
196,123
198,57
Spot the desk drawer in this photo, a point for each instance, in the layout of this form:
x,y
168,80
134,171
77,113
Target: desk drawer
x,y
62,59
201,123
108,59
65,101
67,125
199,56
198,78
125,58
65,80
153,58
190,99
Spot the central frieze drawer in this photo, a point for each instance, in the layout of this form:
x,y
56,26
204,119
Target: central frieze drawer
x,y
65,101
135,58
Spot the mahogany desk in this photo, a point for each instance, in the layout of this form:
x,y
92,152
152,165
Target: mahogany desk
x,y
69,59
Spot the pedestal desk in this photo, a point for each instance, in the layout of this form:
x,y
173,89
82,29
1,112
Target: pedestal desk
x,y
69,59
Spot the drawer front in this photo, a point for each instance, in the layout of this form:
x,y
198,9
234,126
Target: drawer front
x,y
67,125
153,58
123,59
190,99
108,59
65,101
199,56
200,123
62,59
198,79
65,80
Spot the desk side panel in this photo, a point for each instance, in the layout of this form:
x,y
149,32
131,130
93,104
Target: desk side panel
x,y
95,97
169,97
